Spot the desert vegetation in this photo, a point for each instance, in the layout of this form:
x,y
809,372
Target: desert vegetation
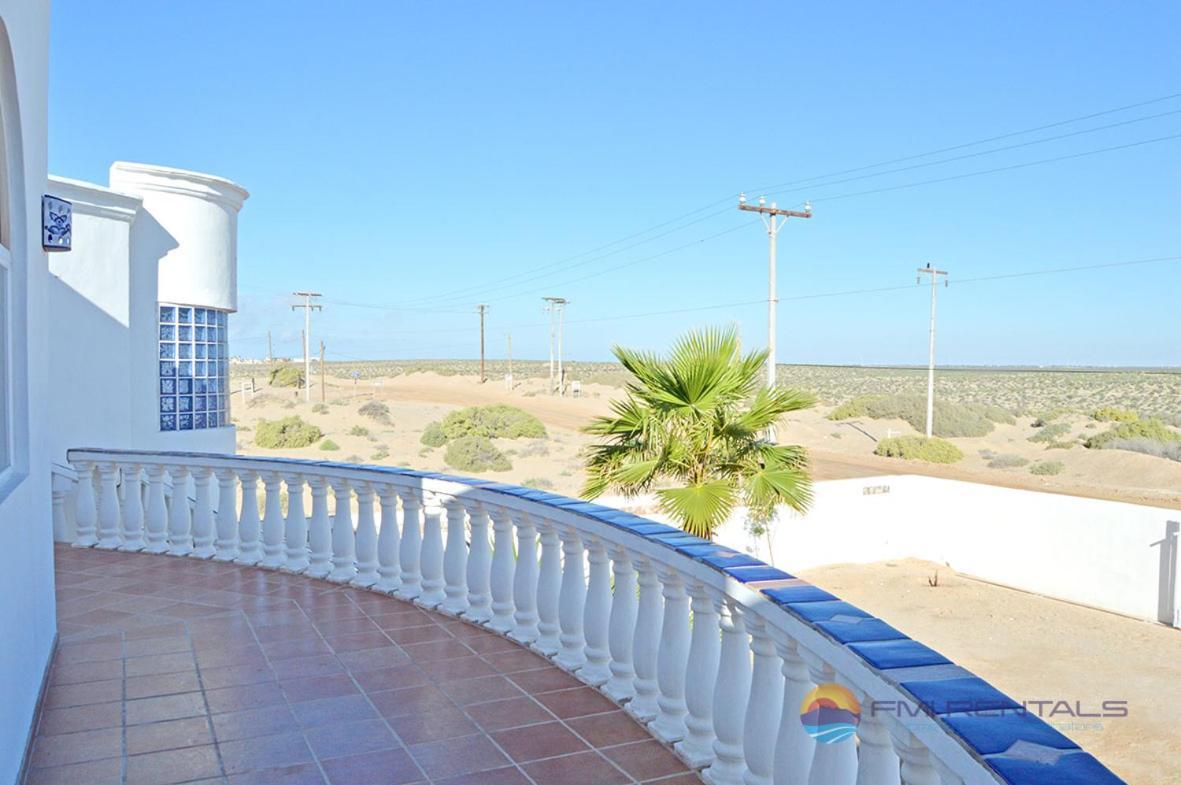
x,y
950,419
475,454
376,411
919,448
285,375
287,433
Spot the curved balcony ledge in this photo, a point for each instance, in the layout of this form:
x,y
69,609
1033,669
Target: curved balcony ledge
x,y
606,596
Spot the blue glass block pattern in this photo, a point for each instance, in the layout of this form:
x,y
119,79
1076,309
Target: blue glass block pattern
x,y
184,333
167,332
184,386
184,315
167,403
185,422
168,386
168,422
168,369
200,386
199,333
200,350
199,315
222,317
185,403
199,403
194,339
199,368
184,368
167,313
167,351
212,351
199,420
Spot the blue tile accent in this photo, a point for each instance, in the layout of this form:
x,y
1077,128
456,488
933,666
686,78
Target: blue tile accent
x,y
990,734
678,539
757,572
867,629
786,595
970,694
898,654
1073,769
823,611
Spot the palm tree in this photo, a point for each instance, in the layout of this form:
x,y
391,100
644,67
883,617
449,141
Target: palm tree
x,y
692,426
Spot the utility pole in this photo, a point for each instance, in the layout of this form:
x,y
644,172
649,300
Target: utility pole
x,y
322,381
555,305
308,307
270,352
931,271
510,362
483,309
774,219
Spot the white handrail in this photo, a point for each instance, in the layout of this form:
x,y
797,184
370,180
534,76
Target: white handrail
x,y
723,683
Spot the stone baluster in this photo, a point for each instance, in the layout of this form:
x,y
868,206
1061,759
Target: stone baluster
x,y
344,537
479,565
366,537
273,555
621,628
644,706
133,509
319,530
455,559
156,516
917,765
108,506
672,657
503,564
432,553
697,748
249,548
731,692
877,762
225,548
203,513
525,581
388,538
761,726
296,530
835,763
549,585
596,616
571,602
62,488
410,549
794,748
85,509
180,517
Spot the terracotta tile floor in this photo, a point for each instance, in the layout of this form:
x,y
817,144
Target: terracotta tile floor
x,y
176,670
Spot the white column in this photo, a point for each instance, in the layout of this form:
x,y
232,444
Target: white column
x,y
180,518
647,639
133,509
877,763
455,559
388,538
836,763
596,615
432,553
319,530
203,513
549,586
61,489
108,506
344,545
671,659
503,564
479,566
85,510
794,748
571,601
621,628
226,546
731,693
249,550
156,516
525,581
410,549
697,748
761,726
296,530
917,766
366,538
273,555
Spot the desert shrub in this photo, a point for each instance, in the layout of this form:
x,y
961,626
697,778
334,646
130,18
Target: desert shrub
x,y
339,402
433,436
1173,420
320,408
354,458
1007,461
1050,432
1151,429
1060,445
919,448
1049,416
951,419
286,376
475,454
328,444
855,407
380,455
1170,450
358,430
540,483
286,433
992,412
1114,414
375,410
1045,468
495,421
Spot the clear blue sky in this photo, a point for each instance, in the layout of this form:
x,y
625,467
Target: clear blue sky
x,y
415,155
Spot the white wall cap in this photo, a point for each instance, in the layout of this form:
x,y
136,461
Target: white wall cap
x,y
166,179
97,200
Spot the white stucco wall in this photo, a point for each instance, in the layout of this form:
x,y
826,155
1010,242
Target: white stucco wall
x,y
26,560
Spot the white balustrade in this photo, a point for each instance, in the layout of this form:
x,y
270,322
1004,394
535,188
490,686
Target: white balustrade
x,y
723,683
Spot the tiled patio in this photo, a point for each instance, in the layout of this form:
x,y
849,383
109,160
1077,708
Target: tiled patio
x,y
175,670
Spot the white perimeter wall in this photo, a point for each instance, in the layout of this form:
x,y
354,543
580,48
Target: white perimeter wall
x,y
1110,555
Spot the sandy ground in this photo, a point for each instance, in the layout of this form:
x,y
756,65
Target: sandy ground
x,y
1038,649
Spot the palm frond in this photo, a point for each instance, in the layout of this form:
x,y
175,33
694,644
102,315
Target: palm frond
x,y
701,507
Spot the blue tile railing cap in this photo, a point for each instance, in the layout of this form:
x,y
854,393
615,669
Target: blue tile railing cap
x,y
1073,768
991,734
905,653
964,695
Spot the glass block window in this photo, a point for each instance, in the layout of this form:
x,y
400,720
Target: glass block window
x,y
194,368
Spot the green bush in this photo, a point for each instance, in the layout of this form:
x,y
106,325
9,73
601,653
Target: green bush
x,y
375,410
475,454
992,412
320,408
541,483
1007,461
1043,468
286,433
358,430
380,455
856,407
1050,433
1170,450
951,419
328,444
286,376
919,448
1114,414
433,436
495,421
1151,429
1049,416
